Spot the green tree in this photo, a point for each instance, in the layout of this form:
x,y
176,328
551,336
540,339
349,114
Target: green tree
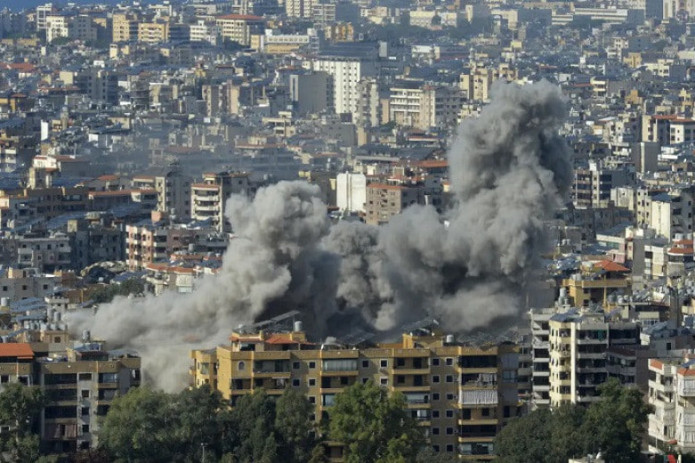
x,y
20,409
254,417
566,437
616,424
139,427
373,426
525,439
196,423
428,455
293,423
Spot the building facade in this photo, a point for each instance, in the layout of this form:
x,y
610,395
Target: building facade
x,y
461,395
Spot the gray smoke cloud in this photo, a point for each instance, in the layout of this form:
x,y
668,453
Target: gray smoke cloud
x,y
272,264
509,170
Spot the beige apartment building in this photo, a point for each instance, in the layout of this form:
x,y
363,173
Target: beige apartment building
x,y
384,201
209,197
577,346
124,28
240,27
79,385
462,395
153,32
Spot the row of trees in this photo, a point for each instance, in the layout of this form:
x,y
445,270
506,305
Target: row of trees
x,y
615,426
152,426
197,425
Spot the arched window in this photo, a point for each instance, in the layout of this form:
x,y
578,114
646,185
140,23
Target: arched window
x,y
241,366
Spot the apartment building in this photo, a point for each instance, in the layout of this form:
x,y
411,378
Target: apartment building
x,y
79,384
672,394
240,27
592,187
311,93
384,201
208,198
414,104
540,353
351,192
347,71
370,111
57,26
18,284
462,395
173,189
204,31
154,32
577,345
124,28
155,239
671,213
45,253
667,129
42,12
477,83
595,281
300,8
79,387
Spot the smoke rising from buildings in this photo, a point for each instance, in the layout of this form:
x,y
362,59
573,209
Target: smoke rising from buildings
x,y
509,171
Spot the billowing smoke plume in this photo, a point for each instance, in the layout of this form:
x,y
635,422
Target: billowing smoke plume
x,y
508,169
273,263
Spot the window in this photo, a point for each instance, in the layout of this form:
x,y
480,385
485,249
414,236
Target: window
x,y
241,366
435,378
340,365
435,448
449,361
435,362
364,380
400,379
449,448
365,363
449,413
384,381
85,428
435,431
312,399
435,396
295,365
384,363
85,394
295,382
449,431
449,378
485,412
85,411
312,381
450,397
312,364
466,414
435,413
4,379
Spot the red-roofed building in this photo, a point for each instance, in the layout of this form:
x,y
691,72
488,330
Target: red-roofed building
x,y
16,363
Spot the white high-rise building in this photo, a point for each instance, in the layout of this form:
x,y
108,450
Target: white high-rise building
x,y
672,394
351,192
347,72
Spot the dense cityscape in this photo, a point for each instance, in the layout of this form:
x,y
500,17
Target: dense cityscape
x,y
347,231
